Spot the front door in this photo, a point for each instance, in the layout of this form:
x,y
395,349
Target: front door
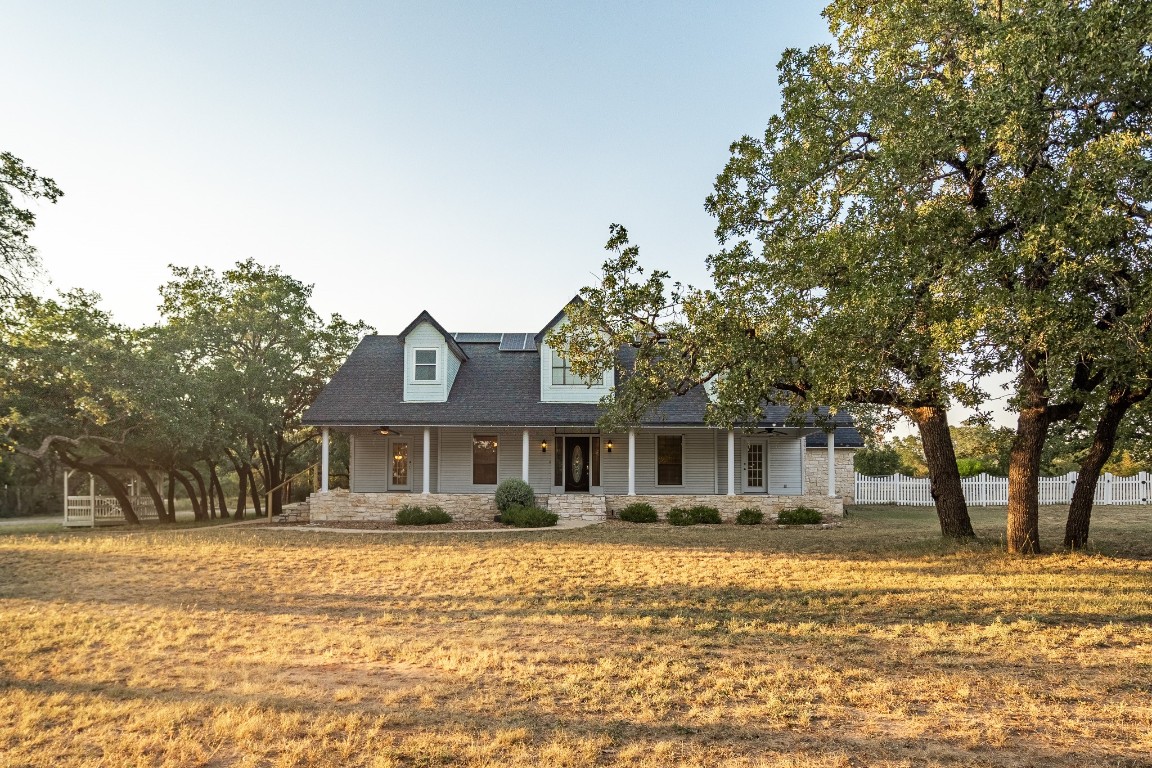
x,y
754,467
577,461
400,481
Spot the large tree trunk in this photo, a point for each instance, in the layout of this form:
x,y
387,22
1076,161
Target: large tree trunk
x,y
272,477
201,490
1120,400
215,488
940,455
242,496
1023,533
197,512
254,489
153,492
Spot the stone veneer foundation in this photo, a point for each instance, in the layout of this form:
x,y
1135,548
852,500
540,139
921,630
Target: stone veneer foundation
x,y
342,505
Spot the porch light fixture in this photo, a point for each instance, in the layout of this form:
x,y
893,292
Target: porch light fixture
x,y
608,446
384,431
543,446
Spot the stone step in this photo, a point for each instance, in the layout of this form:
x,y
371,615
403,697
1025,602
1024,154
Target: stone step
x,y
294,513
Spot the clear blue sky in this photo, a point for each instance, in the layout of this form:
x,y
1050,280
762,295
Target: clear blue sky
x,y
464,158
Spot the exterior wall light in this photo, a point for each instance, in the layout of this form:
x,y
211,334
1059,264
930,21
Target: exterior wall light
x,y
543,446
608,446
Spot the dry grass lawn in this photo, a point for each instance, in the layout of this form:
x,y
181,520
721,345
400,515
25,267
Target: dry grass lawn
x,y
873,644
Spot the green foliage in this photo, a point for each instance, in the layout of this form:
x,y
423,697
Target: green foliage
x,y
749,516
18,257
223,380
528,517
877,462
698,515
411,514
949,190
799,516
639,512
514,492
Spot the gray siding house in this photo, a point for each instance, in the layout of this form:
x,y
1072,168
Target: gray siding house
x,y
435,417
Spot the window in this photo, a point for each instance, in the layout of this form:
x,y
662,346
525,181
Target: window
x,y
484,448
669,460
424,365
562,373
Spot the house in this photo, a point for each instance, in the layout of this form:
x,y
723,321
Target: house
x,y
435,417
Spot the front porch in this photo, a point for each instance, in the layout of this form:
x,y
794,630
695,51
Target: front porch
x,y
580,472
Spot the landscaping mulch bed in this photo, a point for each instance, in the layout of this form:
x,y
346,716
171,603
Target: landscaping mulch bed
x,y
380,525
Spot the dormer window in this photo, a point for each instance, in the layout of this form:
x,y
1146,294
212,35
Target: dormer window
x,y
425,364
562,373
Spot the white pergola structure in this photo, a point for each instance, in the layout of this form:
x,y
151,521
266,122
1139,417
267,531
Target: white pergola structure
x,y
89,510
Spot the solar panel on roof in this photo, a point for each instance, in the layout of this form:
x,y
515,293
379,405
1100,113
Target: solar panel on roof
x,y
517,342
477,338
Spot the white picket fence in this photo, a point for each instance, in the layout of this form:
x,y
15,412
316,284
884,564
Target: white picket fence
x,y
988,491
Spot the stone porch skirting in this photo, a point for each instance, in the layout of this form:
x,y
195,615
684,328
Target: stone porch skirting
x,y
341,505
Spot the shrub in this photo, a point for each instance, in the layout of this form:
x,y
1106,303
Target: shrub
x,y
639,513
799,516
694,516
410,514
437,515
705,515
749,517
528,517
513,492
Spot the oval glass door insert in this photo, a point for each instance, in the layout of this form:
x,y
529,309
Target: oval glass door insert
x,y
577,464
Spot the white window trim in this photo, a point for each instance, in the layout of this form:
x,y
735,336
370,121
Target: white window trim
x,y
426,382
656,461
564,364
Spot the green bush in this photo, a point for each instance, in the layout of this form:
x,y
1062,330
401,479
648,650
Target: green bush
x,y
799,516
513,492
694,516
410,514
705,515
749,517
639,513
528,517
437,515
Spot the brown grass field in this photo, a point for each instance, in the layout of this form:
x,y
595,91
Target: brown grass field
x,y
874,644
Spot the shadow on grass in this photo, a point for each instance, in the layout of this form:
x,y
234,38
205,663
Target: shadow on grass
x,y
408,726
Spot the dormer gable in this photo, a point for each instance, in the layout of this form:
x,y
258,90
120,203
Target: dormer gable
x,y
432,359
558,384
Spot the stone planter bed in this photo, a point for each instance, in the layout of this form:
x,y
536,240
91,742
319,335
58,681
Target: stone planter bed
x,y
381,525
617,523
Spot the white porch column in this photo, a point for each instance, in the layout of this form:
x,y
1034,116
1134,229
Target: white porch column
x,y
731,463
427,459
92,497
324,460
631,462
832,463
67,474
524,458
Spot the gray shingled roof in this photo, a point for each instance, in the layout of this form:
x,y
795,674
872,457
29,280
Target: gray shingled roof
x,y
492,388
846,437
